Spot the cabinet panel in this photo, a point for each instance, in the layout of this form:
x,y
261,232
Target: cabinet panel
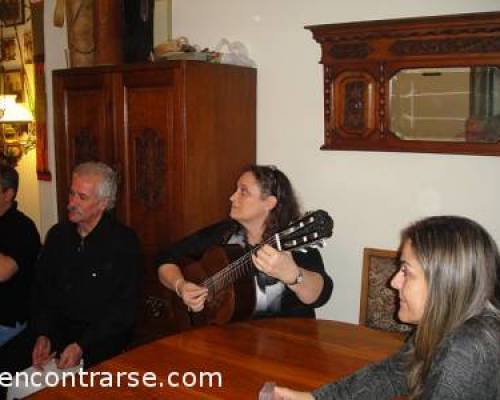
x,y
84,127
354,104
150,151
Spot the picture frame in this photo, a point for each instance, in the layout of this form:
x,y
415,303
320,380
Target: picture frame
x,y
162,26
13,83
11,12
9,49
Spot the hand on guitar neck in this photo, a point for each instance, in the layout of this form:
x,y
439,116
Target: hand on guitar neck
x,y
307,285
278,264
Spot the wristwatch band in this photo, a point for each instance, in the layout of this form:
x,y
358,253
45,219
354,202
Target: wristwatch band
x,y
298,279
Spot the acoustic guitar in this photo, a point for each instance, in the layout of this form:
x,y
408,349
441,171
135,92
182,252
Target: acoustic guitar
x,y
228,272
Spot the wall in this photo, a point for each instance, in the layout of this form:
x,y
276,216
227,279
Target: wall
x,y
371,195
55,44
27,195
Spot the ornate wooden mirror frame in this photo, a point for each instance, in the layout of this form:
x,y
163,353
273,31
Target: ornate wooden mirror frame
x,y
361,58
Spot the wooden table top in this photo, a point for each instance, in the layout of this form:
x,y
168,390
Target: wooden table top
x,y
302,354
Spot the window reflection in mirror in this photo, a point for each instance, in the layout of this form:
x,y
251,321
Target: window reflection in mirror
x,y
446,104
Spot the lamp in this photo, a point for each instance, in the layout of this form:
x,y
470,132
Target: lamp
x,y
17,136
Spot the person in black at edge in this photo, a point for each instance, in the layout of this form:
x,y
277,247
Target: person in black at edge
x,y
86,290
19,247
287,283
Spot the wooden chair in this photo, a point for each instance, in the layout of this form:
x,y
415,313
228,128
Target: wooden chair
x,y
378,305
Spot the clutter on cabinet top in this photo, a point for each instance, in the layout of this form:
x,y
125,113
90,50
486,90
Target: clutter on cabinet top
x,y
233,53
225,52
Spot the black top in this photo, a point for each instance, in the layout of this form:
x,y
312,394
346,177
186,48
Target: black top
x,y
194,246
19,239
86,288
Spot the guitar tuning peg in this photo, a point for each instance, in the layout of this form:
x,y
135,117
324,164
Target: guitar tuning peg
x,y
318,245
302,250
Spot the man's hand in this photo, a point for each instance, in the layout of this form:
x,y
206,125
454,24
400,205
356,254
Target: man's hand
x,y
70,357
41,352
193,296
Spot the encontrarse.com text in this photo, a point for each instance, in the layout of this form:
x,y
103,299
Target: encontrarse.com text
x,y
111,379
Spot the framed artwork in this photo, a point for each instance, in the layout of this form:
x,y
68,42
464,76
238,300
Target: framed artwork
x,y
9,49
12,82
12,12
28,47
162,26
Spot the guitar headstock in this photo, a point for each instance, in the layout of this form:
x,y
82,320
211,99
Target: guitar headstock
x,y
309,231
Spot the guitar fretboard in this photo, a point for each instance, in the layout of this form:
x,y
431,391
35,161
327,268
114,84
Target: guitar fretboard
x,y
235,270
307,232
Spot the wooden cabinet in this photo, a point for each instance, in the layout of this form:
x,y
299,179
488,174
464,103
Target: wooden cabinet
x,y
178,133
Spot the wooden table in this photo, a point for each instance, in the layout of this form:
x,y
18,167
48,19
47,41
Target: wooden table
x,y
302,354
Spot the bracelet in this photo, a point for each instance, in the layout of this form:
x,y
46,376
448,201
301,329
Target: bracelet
x,y
176,285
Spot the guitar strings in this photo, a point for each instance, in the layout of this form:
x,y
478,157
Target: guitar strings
x,y
234,270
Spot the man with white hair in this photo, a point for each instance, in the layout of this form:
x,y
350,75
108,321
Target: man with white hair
x,y
86,290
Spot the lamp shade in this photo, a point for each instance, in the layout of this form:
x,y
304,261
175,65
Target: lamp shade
x,y
12,112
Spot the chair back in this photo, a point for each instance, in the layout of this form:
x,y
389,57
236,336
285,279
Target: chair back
x,y
378,305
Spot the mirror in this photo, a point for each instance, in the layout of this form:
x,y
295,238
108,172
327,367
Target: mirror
x,y
426,84
446,104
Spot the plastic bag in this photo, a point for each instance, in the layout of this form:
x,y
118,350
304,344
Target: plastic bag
x,y
234,53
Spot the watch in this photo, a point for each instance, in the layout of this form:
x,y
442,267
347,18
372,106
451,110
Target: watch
x,y
298,279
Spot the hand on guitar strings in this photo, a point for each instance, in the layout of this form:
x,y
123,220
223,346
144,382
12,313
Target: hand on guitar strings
x,y
192,295
278,264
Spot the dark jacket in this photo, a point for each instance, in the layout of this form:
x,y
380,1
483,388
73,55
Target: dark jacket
x,y
87,288
19,239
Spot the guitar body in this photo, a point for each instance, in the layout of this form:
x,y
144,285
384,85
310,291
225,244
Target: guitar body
x,y
235,302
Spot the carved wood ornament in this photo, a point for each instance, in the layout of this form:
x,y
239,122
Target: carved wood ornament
x,y
360,58
85,147
150,167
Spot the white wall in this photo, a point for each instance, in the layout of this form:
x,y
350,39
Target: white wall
x,y
27,195
371,195
55,43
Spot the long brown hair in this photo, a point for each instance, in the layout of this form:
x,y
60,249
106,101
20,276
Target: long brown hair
x,y
460,260
274,182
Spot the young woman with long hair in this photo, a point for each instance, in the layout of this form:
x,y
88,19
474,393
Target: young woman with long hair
x,y
446,285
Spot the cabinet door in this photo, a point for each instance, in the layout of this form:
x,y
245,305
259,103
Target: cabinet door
x,y
149,180
149,157
83,125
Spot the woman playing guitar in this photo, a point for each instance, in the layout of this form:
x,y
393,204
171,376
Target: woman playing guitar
x,y
284,283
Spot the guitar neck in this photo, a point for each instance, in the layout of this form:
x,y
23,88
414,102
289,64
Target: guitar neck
x,y
309,231
232,272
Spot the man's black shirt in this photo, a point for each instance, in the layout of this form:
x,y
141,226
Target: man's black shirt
x,y
19,239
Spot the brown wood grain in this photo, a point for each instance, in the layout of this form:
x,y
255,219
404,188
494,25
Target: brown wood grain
x,y
302,354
